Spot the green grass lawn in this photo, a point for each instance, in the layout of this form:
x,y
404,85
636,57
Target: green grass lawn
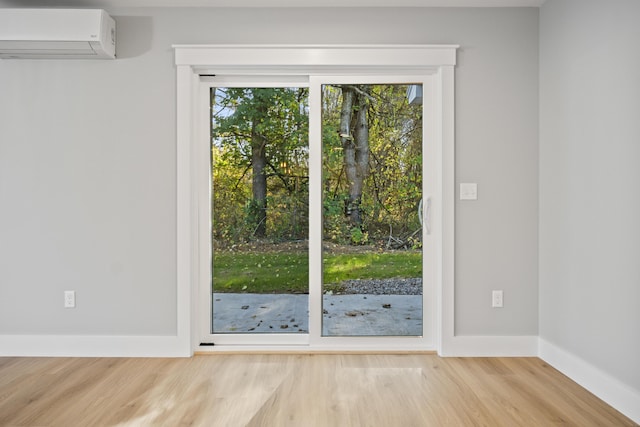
x,y
277,272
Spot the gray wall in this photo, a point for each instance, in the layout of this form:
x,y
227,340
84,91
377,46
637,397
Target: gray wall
x,y
589,176
87,164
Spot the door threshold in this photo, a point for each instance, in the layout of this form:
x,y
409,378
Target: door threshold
x,y
302,350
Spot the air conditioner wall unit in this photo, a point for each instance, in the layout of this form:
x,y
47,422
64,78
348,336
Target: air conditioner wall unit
x,y
57,33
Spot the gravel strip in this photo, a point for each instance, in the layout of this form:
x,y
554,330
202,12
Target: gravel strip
x,y
411,286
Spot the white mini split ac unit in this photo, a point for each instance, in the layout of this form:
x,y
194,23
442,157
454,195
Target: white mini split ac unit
x,y
57,33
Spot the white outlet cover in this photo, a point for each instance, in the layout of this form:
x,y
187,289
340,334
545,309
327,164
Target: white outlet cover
x,y
497,300
69,299
469,191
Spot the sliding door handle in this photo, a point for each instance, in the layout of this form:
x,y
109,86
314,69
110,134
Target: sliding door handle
x,y
424,214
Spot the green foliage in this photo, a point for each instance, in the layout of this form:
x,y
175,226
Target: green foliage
x,y
228,191
359,237
372,265
336,229
288,272
393,187
288,217
280,117
257,272
252,210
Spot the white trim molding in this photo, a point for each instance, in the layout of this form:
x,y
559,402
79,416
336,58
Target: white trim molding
x,y
491,346
91,346
313,59
617,394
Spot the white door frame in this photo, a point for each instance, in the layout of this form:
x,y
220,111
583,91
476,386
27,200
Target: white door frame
x,y
419,60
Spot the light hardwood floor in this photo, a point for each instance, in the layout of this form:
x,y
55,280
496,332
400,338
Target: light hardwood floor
x,y
295,390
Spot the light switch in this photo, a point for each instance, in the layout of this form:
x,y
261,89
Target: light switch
x,y
469,191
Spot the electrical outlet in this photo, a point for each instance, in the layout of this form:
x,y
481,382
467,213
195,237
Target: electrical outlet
x,y
69,299
496,299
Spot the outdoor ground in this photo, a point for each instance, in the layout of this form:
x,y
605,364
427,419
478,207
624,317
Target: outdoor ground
x,y
260,267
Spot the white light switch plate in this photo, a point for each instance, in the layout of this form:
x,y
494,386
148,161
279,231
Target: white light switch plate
x,y
469,191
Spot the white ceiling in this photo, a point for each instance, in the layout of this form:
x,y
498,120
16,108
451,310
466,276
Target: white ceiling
x,y
271,3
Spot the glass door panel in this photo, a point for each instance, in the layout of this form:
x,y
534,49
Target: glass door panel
x,y
372,203
260,206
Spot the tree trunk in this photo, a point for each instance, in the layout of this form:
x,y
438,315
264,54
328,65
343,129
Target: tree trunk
x,y
354,135
259,183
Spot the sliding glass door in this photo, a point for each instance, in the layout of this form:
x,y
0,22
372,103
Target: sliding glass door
x,y
319,212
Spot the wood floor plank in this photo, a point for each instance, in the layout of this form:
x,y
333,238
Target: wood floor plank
x,y
295,390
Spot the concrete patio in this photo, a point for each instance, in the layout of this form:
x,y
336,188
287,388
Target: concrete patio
x,y
343,315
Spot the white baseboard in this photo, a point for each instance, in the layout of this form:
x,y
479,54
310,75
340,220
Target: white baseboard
x,y
617,394
92,346
490,346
